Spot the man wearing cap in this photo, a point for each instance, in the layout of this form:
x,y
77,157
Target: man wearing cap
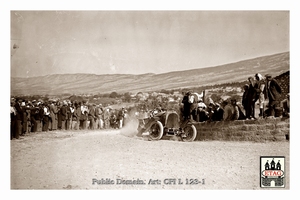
x,y
273,92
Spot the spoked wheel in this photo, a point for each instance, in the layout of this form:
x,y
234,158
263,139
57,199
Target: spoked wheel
x,y
156,131
190,132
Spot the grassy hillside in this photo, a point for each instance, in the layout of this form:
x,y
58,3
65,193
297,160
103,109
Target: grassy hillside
x,y
93,84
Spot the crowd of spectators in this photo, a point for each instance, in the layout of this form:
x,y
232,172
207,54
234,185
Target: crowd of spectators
x,y
37,115
265,92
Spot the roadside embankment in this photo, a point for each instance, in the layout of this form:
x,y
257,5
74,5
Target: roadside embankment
x,y
260,130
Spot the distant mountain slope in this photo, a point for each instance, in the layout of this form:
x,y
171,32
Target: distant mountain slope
x,y
92,84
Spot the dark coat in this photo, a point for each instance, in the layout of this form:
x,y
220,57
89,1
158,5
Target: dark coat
x,y
91,115
218,114
273,90
63,113
245,99
186,106
19,112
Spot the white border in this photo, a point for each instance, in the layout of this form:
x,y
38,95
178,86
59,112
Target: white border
x,y
6,6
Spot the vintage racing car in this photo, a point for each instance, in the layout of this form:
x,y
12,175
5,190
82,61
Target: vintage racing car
x,y
166,123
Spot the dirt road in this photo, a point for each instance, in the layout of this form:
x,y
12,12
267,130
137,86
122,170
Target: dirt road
x,y
115,159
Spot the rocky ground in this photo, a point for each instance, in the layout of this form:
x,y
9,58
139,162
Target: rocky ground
x,y
114,159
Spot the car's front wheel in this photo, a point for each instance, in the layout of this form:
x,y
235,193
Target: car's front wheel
x,y
156,131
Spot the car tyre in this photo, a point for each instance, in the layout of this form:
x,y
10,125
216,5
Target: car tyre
x,y
156,131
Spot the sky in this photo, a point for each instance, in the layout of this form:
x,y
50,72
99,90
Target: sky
x,y
138,42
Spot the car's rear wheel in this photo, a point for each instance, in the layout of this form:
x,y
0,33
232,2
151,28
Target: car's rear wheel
x,y
190,133
156,131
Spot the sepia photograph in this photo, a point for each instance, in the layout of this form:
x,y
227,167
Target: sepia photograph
x,y
126,99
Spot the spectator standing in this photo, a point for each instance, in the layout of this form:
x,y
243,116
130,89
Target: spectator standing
x,y
106,117
91,116
41,116
64,115
53,115
19,117
99,116
113,120
34,117
59,116
13,114
120,118
245,98
69,116
273,93
260,88
72,109
76,116
83,116
46,117
24,118
186,106
251,99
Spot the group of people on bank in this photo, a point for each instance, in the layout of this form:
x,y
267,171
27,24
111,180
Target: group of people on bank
x,y
37,116
265,92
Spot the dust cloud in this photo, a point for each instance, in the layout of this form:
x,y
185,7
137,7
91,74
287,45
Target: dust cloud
x,y
130,127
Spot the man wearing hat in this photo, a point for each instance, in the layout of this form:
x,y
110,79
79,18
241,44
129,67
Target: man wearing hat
x,y
273,92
